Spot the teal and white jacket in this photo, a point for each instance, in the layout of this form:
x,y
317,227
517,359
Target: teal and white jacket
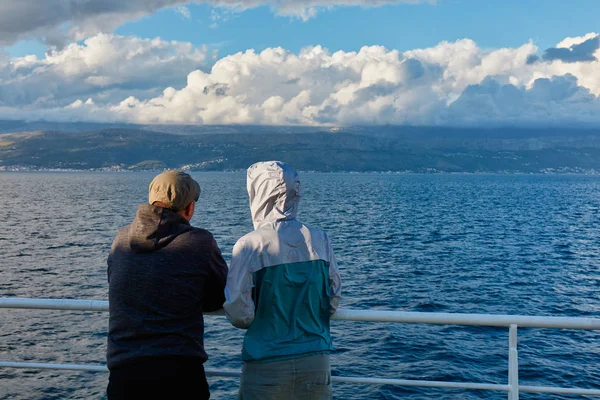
x,y
283,282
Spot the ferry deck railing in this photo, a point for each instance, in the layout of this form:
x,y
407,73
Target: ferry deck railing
x,y
512,322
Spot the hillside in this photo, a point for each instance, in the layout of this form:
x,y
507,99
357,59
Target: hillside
x,y
348,149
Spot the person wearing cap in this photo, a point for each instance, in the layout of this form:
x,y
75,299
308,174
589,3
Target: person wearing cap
x,y
162,274
283,285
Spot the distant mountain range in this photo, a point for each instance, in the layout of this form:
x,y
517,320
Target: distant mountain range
x,y
43,145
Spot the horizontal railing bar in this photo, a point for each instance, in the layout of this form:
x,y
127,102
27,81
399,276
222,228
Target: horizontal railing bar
x,y
523,321
69,367
54,304
344,379
234,374
409,382
557,390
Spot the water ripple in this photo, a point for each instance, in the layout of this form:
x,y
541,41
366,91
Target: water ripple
x,y
496,244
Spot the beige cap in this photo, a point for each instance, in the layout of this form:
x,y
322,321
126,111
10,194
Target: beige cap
x,y
174,188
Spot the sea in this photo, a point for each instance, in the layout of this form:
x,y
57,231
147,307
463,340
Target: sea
x,y
456,243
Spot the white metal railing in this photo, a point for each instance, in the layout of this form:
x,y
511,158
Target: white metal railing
x,y
513,322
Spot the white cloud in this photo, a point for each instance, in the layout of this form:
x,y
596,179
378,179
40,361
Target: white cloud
x,y
57,22
184,12
572,41
112,78
557,100
105,67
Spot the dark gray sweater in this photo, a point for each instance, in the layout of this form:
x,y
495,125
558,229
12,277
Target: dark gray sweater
x,y
162,274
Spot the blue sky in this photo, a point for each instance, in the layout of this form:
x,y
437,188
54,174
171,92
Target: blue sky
x,y
307,62
492,24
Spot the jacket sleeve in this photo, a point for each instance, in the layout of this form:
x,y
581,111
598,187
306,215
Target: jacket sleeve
x,y
215,281
239,305
123,232
335,283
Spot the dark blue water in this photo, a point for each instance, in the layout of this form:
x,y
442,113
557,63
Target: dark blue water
x,y
504,244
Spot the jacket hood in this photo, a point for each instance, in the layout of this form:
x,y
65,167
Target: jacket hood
x,y
274,191
155,227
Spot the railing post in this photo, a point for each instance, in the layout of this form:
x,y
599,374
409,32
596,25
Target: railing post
x,y
513,364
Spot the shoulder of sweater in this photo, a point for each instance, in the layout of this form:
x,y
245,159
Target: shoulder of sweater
x,y
123,233
199,234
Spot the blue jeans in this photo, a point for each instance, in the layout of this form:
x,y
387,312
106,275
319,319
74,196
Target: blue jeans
x,y
306,378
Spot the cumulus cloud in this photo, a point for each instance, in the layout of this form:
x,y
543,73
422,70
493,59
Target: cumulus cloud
x,y
57,22
557,100
452,83
574,40
105,67
579,52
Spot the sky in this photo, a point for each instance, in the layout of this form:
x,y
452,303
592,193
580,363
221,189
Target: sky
x,y
302,62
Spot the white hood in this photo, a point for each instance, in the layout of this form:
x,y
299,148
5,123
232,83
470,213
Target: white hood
x,y
274,191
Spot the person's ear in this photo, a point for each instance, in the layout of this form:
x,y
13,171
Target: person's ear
x,y
188,212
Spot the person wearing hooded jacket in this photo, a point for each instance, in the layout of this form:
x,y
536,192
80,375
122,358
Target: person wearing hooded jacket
x,y
282,286
163,274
